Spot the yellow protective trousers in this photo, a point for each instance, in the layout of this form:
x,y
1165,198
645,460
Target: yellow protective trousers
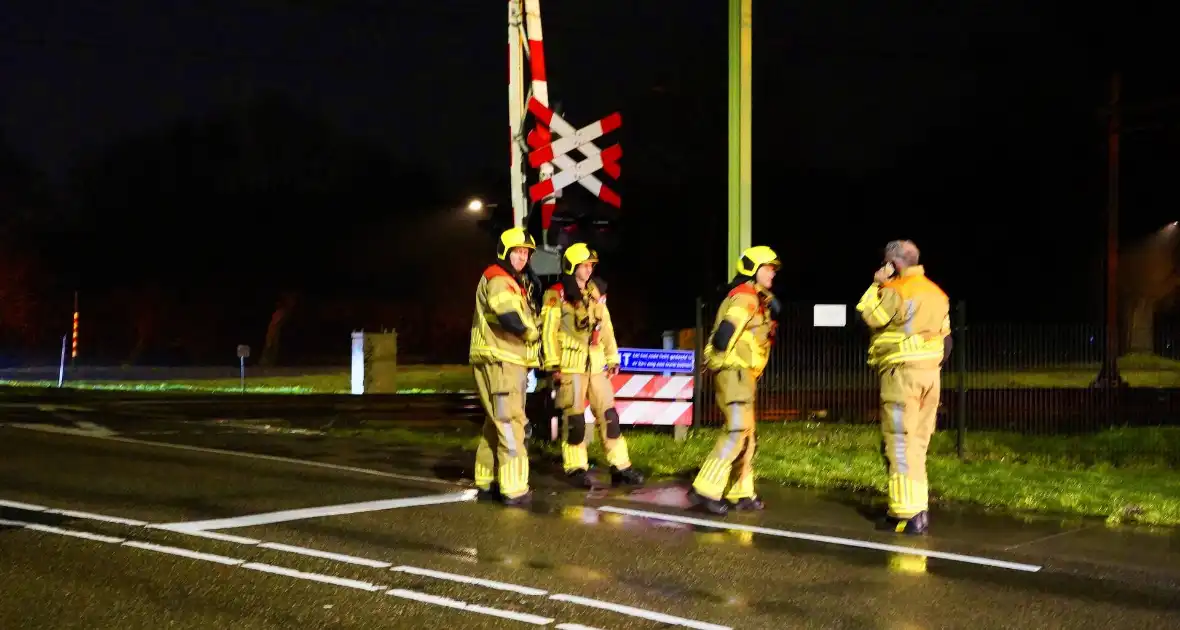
x,y
909,411
574,392
502,455
729,469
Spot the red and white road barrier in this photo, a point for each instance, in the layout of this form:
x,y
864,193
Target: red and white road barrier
x,y
653,386
646,399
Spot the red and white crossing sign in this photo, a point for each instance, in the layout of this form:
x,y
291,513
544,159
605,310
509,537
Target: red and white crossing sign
x,y
572,139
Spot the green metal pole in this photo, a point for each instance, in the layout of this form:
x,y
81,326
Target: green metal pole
x,y
740,125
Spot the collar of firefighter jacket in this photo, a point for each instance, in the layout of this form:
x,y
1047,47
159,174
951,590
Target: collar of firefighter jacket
x,y
765,294
570,289
909,273
765,297
506,267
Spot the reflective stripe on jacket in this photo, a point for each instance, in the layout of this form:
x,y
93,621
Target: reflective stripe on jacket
x,y
499,294
749,347
577,336
909,317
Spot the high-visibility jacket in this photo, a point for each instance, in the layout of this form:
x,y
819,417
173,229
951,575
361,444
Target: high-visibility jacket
x,y
748,347
910,318
577,335
504,328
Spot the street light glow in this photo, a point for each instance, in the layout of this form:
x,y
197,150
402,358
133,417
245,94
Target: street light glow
x,y
475,205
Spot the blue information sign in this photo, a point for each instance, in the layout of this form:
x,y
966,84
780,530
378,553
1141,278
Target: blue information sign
x,y
645,360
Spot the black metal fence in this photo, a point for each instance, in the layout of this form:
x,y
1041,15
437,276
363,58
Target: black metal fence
x,y
1030,379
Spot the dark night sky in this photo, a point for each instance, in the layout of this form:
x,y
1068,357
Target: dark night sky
x,y
971,127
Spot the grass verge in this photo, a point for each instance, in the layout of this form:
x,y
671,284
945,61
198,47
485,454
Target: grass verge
x,y
412,379
1111,475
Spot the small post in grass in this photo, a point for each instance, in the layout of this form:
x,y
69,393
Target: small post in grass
x,y
61,369
243,354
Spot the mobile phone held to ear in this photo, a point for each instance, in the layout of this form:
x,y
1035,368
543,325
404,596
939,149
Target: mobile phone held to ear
x,y
889,270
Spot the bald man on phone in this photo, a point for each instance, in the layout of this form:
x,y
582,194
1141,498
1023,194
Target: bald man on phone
x,y
909,316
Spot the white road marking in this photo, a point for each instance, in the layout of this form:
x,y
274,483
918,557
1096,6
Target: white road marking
x,y
573,626
638,612
82,429
29,507
241,540
303,575
316,553
314,577
834,540
217,451
43,407
49,529
23,506
327,510
458,605
188,531
98,517
177,551
454,577
94,428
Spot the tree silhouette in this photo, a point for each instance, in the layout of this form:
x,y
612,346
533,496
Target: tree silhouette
x,y
263,197
24,201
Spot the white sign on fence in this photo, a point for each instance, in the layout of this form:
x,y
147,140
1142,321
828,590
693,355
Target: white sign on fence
x,y
830,316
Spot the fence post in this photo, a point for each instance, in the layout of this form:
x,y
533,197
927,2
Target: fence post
x,y
960,350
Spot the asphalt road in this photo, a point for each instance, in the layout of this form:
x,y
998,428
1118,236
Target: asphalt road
x,y
85,486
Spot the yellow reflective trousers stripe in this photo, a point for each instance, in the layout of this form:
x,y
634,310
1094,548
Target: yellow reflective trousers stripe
x,y
514,476
574,457
907,496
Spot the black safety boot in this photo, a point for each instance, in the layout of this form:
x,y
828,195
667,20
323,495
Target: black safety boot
x,y
628,476
716,506
522,501
492,493
580,479
916,525
749,504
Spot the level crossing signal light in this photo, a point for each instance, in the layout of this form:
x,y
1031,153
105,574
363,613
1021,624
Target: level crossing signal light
x,y
595,224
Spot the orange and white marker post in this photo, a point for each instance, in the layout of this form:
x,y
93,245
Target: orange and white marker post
x,y
74,347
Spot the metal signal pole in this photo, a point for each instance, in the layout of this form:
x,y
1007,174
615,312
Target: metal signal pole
x,y
741,53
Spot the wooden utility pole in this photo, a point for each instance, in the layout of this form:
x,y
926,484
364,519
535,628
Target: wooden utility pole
x,y
1109,375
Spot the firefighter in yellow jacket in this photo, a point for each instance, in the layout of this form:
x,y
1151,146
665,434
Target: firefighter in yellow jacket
x,y
736,352
504,345
578,343
909,316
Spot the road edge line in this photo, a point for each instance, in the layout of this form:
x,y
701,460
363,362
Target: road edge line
x,y
260,456
833,540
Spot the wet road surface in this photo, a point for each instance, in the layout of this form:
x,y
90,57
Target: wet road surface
x,y
85,492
